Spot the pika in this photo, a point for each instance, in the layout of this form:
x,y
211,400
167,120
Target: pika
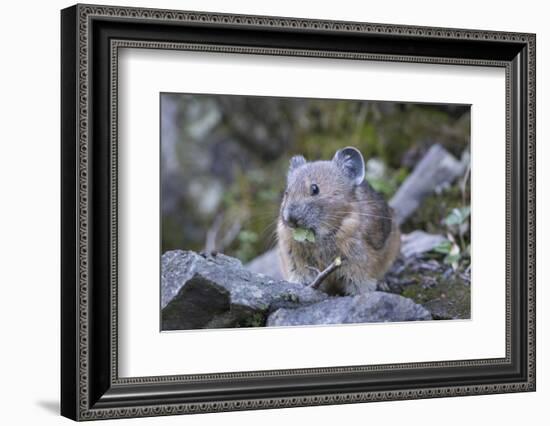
x,y
348,219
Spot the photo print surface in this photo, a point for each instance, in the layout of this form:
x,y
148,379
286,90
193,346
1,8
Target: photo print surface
x,y
281,212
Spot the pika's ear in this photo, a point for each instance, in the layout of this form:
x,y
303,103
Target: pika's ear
x,y
351,162
296,162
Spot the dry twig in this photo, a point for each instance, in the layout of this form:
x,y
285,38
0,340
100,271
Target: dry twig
x,y
326,272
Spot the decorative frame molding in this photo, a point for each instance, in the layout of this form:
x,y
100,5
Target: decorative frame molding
x,y
91,38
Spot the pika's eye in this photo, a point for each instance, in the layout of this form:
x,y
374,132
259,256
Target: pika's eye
x,y
313,189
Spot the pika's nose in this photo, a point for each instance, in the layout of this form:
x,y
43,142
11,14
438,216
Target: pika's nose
x,y
290,217
292,221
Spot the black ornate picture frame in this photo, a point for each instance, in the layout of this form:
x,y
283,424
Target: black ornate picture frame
x,y
90,385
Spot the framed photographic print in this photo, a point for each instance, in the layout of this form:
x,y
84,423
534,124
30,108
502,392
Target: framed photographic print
x,y
263,212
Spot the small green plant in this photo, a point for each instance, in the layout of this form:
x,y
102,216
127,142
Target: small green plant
x,y
457,223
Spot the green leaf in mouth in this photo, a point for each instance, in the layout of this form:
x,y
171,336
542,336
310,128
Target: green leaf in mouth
x,y
301,235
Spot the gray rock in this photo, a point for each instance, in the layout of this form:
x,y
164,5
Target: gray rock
x,y
436,168
217,291
372,307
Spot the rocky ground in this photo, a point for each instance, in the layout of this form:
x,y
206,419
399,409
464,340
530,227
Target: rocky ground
x,y
445,293
207,291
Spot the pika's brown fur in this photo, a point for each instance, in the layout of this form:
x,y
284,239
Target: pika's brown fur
x,y
348,218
